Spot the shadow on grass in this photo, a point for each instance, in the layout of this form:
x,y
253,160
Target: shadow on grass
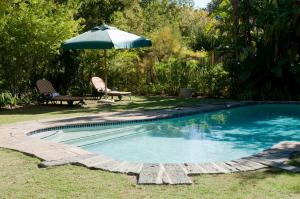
x,y
259,175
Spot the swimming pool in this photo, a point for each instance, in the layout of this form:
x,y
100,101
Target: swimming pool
x,y
205,137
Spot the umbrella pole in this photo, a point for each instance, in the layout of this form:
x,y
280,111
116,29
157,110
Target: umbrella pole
x,y
105,71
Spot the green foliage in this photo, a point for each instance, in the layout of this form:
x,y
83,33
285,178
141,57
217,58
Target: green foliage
x,y
31,34
212,81
239,48
199,29
261,43
96,12
125,72
7,99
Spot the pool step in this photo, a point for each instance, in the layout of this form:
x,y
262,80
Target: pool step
x,y
87,135
46,134
109,135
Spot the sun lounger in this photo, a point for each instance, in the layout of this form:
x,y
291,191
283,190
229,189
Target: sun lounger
x,y
99,85
48,93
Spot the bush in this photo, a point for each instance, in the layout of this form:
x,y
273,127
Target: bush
x,y
26,98
212,81
176,73
7,99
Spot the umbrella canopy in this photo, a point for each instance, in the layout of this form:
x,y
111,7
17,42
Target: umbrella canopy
x,y
106,37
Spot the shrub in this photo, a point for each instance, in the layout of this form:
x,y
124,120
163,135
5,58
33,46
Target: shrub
x,y
7,99
25,98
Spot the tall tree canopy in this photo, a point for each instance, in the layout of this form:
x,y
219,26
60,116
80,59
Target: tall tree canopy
x,y
31,34
235,48
261,41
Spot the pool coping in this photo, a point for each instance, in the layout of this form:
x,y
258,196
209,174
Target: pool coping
x,y
15,136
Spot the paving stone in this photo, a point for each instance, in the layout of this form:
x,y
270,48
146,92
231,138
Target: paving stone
x,y
193,168
52,163
286,167
54,154
278,165
176,174
208,168
79,151
238,166
267,160
134,168
165,178
107,165
122,167
78,158
129,168
228,167
27,146
278,155
91,162
275,155
119,167
151,174
252,165
221,168
286,145
68,160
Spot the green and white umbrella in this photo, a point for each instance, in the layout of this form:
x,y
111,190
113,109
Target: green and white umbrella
x,y
106,37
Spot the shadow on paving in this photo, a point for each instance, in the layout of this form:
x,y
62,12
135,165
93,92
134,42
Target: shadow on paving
x,y
142,103
102,118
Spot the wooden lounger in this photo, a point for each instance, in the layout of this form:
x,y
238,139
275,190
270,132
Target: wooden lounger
x,y
99,85
46,89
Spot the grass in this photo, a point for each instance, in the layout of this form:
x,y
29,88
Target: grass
x,y
21,178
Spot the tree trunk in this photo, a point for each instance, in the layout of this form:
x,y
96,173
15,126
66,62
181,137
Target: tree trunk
x,y
235,6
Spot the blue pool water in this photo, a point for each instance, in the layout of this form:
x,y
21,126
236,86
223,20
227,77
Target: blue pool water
x,y
207,137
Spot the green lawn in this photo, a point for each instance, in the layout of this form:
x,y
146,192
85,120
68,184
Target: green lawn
x,y
21,178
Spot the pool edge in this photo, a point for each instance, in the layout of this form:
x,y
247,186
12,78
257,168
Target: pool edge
x,y
15,136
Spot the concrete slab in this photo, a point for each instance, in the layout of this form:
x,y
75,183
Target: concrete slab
x,y
230,168
238,166
193,168
208,168
176,174
93,161
279,165
151,174
252,165
107,165
221,168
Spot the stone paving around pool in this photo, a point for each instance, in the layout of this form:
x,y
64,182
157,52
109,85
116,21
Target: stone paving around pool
x,y
15,136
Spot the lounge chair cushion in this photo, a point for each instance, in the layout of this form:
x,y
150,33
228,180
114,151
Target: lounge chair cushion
x,y
118,93
55,94
67,98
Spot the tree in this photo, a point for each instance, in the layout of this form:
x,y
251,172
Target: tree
x,y
97,12
31,34
259,40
